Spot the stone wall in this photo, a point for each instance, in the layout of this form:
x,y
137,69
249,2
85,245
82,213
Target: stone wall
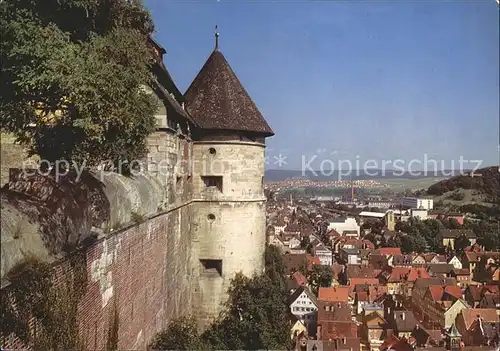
x,y
147,233
140,251
229,225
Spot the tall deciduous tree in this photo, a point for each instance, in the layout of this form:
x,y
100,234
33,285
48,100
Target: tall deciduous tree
x,y
71,76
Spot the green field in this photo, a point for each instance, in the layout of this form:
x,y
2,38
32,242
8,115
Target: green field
x,y
414,184
393,186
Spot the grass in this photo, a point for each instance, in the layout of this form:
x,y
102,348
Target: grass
x,y
414,184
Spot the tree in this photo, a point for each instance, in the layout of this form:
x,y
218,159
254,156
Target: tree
x,y
180,334
370,237
321,276
305,243
254,317
275,267
451,223
490,241
461,243
73,73
419,244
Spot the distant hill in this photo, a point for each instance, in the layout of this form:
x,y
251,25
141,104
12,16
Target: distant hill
x,y
484,181
282,174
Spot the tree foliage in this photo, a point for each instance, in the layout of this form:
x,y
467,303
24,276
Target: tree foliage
x,y
35,297
486,181
461,243
72,72
320,277
180,334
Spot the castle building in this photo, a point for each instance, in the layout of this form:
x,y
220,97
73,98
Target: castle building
x,y
163,243
228,185
221,160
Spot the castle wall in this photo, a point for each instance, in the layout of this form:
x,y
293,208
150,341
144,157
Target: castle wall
x,y
145,263
230,225
152,268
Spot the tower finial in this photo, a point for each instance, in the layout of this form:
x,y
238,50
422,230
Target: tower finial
x,y
216,38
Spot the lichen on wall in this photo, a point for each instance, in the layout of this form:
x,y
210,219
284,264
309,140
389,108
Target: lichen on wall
x,y
101,273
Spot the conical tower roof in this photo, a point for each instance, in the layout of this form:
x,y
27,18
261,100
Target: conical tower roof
x,y
217,100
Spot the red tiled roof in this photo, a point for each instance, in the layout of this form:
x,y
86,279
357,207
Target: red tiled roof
x,y
471,256
356,271
487,314
299,278
338,330
376,291
476,291
368,281
436,292
398,274
312,260
333,311
334,294
454,291
389,251
333,233
337,269
362,296
416,273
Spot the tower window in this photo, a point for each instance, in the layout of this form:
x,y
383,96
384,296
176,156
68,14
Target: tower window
x,y
212,151
211,217
213,182
211,267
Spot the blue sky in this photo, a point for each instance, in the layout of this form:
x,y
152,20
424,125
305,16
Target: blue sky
x,y
380,80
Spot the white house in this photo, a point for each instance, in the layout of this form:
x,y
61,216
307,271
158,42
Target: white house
x,y
350,256
324,254
344,224
455,262
415,202
304,306
419,213
294,243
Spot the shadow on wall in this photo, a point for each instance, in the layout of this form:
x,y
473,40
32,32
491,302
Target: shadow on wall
x,y
65,210
52,217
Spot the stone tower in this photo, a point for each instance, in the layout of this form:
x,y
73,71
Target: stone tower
x,y
229,220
